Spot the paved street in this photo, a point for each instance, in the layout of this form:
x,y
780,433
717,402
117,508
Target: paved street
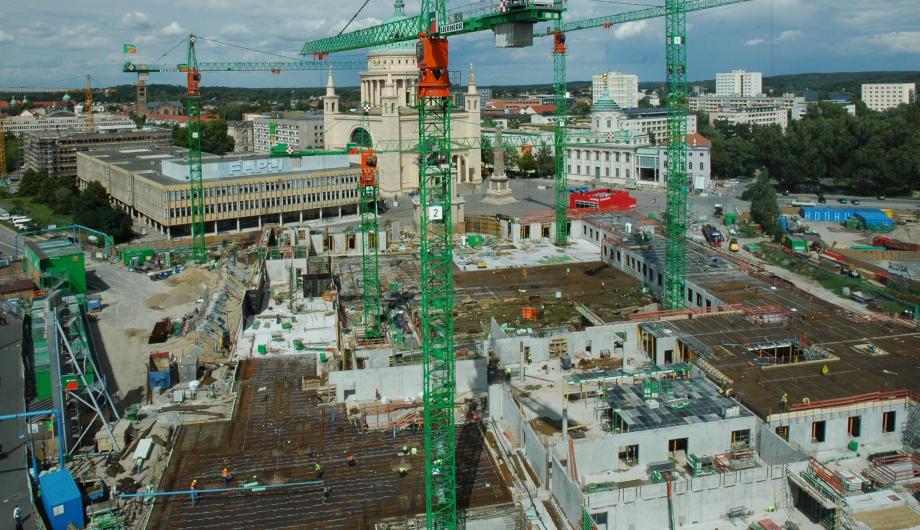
x,y
14,468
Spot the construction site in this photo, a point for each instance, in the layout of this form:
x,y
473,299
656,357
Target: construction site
x,y
573,368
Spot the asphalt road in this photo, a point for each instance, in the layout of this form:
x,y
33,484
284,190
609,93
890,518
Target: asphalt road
x,y
14,485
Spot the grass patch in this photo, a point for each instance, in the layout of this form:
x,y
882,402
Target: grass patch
x,y
41,214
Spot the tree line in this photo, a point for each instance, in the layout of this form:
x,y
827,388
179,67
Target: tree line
x,y
214,137
90,207
870,153
536,162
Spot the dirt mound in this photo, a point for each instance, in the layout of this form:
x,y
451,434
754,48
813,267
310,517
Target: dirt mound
x,y
191,277
179,295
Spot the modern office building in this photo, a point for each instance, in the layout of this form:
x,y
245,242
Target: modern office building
x,y
739,83
297,129
883,96
56,151
713,102
754,115
240,192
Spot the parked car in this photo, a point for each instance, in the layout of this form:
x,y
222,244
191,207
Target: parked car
x,y
855,202
853,274
785,193
881,197
842,200
821,199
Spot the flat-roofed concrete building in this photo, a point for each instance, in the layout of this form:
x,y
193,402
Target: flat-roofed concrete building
x,y
56,151
883,96
240,191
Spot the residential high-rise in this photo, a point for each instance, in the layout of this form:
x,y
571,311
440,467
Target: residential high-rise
x,y
739,83
623,88
297,129
882,96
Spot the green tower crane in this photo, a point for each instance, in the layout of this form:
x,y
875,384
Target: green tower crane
x,y
676,164
560,89
196,191
434,105
368,198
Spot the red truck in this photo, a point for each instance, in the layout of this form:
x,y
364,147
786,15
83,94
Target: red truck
x,y
894,244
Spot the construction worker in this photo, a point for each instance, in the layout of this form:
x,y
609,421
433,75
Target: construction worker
x,y
319,469
405,449
414,451
17,516
403,471
226,476
508,373
350,460
806,400
194,492
326,492
783,402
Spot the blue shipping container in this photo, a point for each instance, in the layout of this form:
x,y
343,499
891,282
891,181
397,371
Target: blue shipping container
x,y
62,500
874,220
826,214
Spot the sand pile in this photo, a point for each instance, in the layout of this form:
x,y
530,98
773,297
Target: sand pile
x,y
188,286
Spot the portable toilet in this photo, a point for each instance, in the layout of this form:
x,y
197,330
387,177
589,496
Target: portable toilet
x,y
62,500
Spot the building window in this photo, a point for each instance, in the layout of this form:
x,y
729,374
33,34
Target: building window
x,y
597,156
606,156
578,154
701,166
818,431
629,455
741,436
617,156
888,421
783,432
854,423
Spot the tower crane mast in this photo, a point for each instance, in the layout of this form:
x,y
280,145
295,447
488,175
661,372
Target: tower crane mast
x,y
196,191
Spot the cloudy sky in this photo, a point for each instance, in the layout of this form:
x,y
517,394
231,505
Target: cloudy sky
x,y
53,43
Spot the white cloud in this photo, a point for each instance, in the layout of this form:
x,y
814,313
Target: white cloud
x,y
5,37
754,42
235,30
136,20
790,35
896,41
629,30
173,28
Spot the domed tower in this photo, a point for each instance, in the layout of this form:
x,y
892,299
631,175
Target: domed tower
x,y
605,113
394,61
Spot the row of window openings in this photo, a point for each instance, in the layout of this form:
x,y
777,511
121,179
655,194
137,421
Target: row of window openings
x,y
227,207
222,191
854,427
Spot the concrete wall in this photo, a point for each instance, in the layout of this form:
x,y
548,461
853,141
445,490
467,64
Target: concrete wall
x,y
695,500
704,439
837,421
509,348
502,407
567,493
398,382
773,450
278,269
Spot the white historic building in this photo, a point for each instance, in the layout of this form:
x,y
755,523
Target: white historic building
x,y
618,151
388,88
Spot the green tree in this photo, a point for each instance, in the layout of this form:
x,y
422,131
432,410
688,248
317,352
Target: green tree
x,y
92,209
527,164
13,147
581,109
764,208
512,158
487,152
32,182
214,137
546,163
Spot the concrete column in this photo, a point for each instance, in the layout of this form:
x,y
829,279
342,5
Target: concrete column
x,y
320,214
281,219
301,216
340,212
215,228
237,225
260,220
168,232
